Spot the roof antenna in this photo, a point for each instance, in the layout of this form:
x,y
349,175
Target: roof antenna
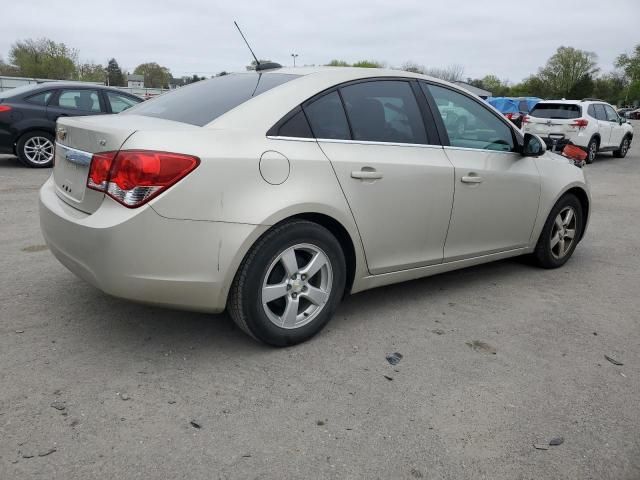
x,y
259,66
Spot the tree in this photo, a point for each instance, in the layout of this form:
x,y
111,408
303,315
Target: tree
x,y
497,87
9,70
44,58
412,67
630,65
115,76
222,73
91,72
369,64
155,76
337,63
451,73
569,72
611,87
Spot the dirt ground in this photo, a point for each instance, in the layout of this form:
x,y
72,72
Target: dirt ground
x,y
496,358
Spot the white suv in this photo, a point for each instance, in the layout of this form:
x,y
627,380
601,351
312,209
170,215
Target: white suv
x,y
591,124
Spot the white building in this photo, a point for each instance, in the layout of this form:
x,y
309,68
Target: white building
x,y
135,81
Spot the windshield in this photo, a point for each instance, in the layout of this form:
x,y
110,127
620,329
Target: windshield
x,y
204,101
563,111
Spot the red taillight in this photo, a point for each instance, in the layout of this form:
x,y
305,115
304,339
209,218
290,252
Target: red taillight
x,y
5,108
580,123
133,177
526,119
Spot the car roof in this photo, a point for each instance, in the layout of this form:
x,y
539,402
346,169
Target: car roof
x,y
65,84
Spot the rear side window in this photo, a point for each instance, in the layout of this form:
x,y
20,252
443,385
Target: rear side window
x,y
600,113
561,111
384,111
41,98
203,102
296,126
80,99
327,117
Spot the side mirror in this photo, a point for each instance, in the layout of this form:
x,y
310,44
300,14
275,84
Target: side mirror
x,y
533,146
623,120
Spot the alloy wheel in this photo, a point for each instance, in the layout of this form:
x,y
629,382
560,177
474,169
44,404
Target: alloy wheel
x,y
625,147
593,149
297,286
38,150
563,232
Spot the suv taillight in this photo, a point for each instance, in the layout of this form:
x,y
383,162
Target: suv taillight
x,y
526,119
5,108
133,177
580,123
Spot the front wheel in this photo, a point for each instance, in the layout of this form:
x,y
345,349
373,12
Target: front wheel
x,y
35,149
561,233
289,284
624,148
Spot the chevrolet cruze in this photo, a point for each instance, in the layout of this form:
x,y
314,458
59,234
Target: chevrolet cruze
x,y
274,194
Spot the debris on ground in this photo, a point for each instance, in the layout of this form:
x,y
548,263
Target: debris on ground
x,y
481,347
613,360
320,422
556,441
438,331
394,358
171,402
541,446
388,377
124,396
19,331
246,455
195,424
49,451
415,473
58,405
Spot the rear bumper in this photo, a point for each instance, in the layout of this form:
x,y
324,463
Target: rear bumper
x,y
139,255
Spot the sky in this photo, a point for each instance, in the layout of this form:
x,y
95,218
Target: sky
x,y
510,39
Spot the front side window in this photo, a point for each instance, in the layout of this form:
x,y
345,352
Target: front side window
x,y
41,98
384,111
80,99
327,117
612,116
468,123
119,103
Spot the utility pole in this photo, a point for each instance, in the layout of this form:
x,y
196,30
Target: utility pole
x,y
294,55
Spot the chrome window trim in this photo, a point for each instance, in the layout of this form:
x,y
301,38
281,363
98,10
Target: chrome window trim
x,y
448,147
75,156
357,142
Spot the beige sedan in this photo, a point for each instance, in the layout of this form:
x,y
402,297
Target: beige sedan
x,y
274,194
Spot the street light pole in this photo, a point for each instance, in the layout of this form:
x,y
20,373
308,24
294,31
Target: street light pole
x,y
294,55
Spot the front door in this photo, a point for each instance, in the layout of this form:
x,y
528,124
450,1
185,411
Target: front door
x,y
604,125
398,186
497,190
617,132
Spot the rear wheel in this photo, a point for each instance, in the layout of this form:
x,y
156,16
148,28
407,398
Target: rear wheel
x,y
35,149
624,148
592,150
560,234
289,284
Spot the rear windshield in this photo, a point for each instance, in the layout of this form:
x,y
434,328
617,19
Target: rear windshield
x,y
202,102
556,110
12,92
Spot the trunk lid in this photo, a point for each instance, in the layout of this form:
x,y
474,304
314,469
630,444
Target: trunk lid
x,y
78,138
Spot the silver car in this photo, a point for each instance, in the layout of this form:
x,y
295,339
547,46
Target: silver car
x,y
274,194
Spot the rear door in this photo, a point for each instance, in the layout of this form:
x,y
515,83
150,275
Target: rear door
x,y
497,190
72,102
398,184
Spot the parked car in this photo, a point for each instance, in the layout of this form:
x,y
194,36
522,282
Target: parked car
x,y
276,193
634,114
623,111
591,124
28,115
515,109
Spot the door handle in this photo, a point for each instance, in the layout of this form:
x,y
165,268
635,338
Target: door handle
x,y
366,175
471,179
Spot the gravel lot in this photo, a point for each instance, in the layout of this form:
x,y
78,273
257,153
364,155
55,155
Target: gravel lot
x,y
140,392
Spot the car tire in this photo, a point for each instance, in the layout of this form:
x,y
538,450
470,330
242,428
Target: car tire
x,y
624,148
271,282
552,250
36,149
592,150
